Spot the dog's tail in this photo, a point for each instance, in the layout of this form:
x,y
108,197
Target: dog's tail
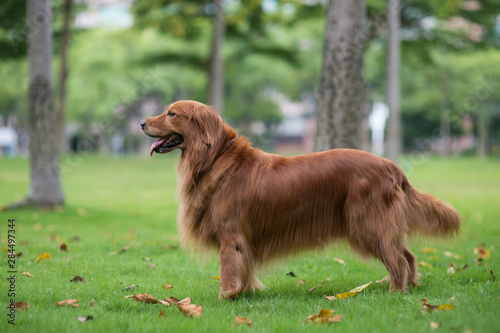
x,y
429,216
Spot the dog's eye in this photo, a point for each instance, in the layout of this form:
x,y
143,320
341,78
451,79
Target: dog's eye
x,y
170,113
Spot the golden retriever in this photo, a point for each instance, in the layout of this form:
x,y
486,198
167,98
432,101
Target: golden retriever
x,y
253,206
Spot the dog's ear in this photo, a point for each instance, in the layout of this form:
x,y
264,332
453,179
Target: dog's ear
x,y
209,124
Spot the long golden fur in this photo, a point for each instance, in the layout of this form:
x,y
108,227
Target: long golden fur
x,y
253,206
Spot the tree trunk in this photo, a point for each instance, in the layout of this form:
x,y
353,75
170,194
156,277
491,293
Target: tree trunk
x,y
216,65
482,133
45,185
341,88
61,135
394,137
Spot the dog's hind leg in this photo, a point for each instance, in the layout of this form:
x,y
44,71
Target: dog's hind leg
x,y
237,267
412,267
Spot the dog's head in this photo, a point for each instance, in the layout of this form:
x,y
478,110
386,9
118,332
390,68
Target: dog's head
x,y
185,125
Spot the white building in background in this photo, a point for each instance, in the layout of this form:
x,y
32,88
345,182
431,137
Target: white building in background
x,y
105,14
377,121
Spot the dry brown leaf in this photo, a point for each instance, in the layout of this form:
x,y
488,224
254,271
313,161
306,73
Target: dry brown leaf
x,y
63,247
69,302
353,292
167,286
152,266
451,268
84,319
324,316
434,325
20,253
301,282
192,310
77,278
130,287
242,321
27,274
144,298
443,307
42,256
482,253
162,315
451,255
146,259
125,249
21,306
175,301
91,303
340,261
330,298
385,279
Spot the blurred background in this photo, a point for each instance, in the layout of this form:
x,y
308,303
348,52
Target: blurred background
x,y
118,62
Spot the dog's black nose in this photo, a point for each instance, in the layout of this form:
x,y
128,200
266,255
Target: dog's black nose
x,y
143,123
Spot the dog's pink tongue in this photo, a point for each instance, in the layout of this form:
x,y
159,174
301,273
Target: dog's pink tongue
x,y
156,144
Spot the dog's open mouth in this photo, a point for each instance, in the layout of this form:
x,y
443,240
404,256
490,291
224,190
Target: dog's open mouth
x,y
166,144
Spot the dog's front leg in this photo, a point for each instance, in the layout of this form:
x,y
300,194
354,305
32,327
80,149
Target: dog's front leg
x,y
235,265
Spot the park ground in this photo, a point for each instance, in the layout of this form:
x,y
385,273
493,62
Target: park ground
x,y
119,229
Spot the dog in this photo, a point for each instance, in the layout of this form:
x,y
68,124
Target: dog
x,y
252,206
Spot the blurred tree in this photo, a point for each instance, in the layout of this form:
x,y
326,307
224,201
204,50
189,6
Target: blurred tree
x,y
45,184
341,89
393,133
216,62
63,75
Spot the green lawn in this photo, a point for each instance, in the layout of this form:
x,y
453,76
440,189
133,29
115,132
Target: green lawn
x,y
117,202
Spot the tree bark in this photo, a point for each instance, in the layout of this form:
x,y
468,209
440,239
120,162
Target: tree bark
x,y
63,75
45,185
341,88
216,65
394,137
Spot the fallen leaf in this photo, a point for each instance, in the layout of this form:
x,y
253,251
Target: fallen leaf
x,y
27,274
152,266
453,299
167,286
291,274
428,250
18,254
330,298
434,325
146,259
144,298
162,315
451,254
21,306
451,268
192,310
324,316
130,287
242,321
84,319
353,292
216,277
482,253
63,247
320,285
385,279
171,247
301,282
75,238
340,261
77,279
81,212
4,248
125,249
91,303
424,264
42,256
444,307
69,302
175,301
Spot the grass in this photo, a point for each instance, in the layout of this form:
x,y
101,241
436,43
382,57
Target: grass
x,y
118,202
